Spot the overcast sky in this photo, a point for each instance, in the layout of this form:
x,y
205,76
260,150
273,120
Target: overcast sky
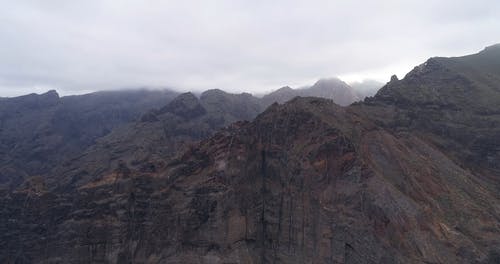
x,y
80,46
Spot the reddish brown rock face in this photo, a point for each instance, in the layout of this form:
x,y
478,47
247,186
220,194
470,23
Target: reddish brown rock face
x,y
305,182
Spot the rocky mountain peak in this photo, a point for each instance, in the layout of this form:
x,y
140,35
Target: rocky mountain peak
x,y
186,105
331,88
32,101
394,78
51,97
52,93
328,82
281,95
212,93
284,89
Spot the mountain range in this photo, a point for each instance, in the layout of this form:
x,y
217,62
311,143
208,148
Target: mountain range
x,y
38,130
313,175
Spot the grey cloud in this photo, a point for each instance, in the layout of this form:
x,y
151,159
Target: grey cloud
x,y
234,45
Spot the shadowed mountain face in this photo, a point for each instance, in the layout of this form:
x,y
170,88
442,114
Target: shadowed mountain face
x,y
408,176
340,92
148,144
38,131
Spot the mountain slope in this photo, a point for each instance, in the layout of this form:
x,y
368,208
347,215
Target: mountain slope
x,y
408,176
309,181
451,103
306,181
159,135
37,131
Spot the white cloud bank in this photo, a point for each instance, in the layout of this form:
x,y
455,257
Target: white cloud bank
x,y
77,46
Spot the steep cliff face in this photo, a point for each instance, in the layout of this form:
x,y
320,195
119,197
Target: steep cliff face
x,y
306,181
309,181
408,176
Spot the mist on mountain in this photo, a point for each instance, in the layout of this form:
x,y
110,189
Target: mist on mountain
x,y
318,174
366,88
332,88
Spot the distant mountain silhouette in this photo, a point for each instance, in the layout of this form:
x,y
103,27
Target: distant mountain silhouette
x,y
340,92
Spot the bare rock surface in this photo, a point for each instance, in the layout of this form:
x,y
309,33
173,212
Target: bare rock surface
x,y
407,176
